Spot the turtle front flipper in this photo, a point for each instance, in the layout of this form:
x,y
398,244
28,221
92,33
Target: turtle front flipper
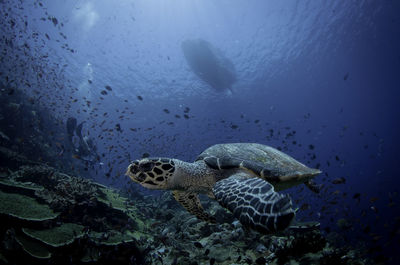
x,y
190,201
255,203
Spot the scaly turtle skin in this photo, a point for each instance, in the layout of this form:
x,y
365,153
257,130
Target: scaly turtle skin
x,y
242,177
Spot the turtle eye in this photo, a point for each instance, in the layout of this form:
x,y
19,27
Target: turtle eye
x,y
133,169
146,166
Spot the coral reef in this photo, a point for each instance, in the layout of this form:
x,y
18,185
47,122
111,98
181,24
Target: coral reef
x,y
50,215
180,238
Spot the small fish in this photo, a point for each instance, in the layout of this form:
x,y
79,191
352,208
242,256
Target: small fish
x,y
304,206
373,199
156,224
144,155
61,151
54,20
103,92
373,208
233,126
367,229
340,180
108,88
140,98
363,213
376,237
357,196
166,110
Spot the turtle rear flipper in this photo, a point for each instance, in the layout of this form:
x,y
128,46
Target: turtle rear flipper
x,y
255,203
190,201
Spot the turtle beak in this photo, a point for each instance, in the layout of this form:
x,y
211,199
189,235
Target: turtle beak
x,y
133,170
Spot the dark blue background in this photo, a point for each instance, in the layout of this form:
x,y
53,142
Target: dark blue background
x,y
327,73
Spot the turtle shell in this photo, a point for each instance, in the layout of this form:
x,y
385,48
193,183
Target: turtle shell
x,y
263,161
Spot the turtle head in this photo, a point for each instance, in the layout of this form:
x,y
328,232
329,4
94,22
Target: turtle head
x,y
151,173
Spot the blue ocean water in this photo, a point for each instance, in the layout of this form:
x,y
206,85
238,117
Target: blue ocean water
x,y
318,80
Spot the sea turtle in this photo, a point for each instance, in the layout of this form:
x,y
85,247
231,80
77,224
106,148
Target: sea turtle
x,y
242,177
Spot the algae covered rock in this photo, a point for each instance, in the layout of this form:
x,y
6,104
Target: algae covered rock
x,y
112,198
91,255
57,236
28,188
32,248
24,207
